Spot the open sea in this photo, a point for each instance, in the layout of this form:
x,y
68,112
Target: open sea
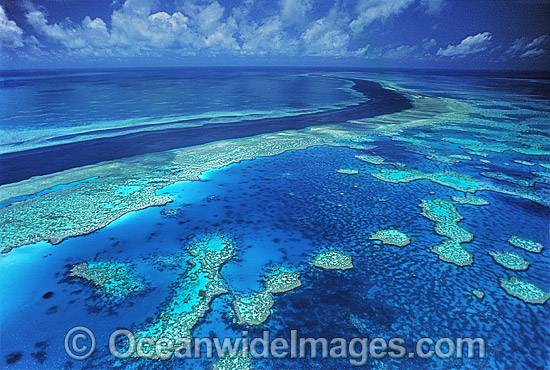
x,y
397,132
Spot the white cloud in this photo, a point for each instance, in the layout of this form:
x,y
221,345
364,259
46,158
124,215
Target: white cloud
x,y
400,52
374,10
91,33
517,46
294,12
268,38
273,35
205,27
137,30
537,41
470,45
433,6
11,36
533,53
207,20
428,44
524,49
327,35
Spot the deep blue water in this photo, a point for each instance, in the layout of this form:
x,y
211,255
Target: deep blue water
x,y
283,209
107,99
269,102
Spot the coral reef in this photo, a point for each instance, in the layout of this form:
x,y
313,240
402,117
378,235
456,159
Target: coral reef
x,y
526,244
391,236
332,260
453,231
461,182
450,179
190,298
439,210
131,184
282,280
372,159
113,278
451,251
73,211
478,294
525,163
470,199
397,175
524,290
510,260
446,216
346,171
255,308
235,361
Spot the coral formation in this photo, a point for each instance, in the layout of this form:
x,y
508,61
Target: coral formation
x,y
524,290
131,184
397,175
391,236
478,294
451,251
234,361
469,199
346,171
113,278
282,280
372,159
332,260
255,308
510,260
526,244
191,296
446,216
460,182
439,210
452,231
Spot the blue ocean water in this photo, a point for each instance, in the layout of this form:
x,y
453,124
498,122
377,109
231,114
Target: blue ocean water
x,y
282,210
47,105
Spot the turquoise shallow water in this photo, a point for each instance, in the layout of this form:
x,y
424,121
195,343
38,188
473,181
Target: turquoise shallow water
x,y
284,209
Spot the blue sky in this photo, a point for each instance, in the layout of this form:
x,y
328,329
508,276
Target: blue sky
x,y
483,34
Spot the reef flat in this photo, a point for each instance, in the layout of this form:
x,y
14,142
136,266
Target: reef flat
x,y
470,199
524,290
332,260
457,181
131,184
126,186
525,244
191,296
347,171
235,361
446,217
255,308
74,211
113,278
510,260
392,237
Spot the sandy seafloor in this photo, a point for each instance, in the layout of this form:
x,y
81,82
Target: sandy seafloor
x,y
285,208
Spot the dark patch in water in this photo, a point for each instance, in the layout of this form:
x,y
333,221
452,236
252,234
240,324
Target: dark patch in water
x,y
40,357
47,295
41,345
12,358
51,310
